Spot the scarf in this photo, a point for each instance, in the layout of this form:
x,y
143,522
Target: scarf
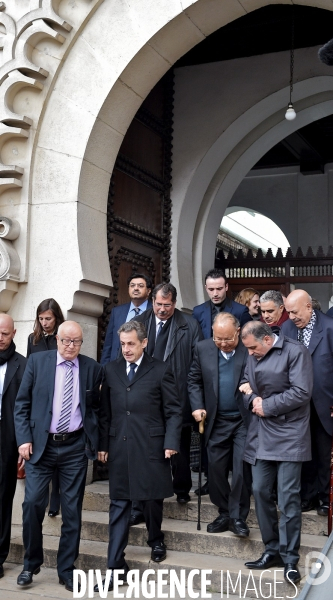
x,y
5,355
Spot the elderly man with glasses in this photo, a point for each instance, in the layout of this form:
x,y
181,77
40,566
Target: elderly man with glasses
x,y
213,382
56,427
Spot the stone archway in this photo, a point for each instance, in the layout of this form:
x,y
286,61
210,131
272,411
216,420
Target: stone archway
x,y
94,78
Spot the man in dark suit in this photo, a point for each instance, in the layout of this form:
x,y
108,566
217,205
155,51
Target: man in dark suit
x,y
315,331
139,290
12,367
213,382
140,425
56,427
216,286
172,337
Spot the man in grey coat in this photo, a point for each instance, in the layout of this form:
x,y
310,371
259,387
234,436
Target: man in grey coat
x,y
277,390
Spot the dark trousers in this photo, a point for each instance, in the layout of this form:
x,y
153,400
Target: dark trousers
x,y
71,462
279,537
228,438
8,478
180,464
119,515
316,472
55,493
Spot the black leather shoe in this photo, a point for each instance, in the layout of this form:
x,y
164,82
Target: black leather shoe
x,y
136,519
1,571
221,523
53,513
25,577
291,573
204,490
183,498
121,577
239,527
307,505
158,552
322,510
68,583
266,561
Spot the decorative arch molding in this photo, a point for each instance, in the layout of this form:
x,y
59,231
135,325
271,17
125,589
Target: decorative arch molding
x,y
226,164
85,83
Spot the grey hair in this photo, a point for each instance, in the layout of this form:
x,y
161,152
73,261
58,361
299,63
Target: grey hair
x,y
272,296
225,316
134,326
258,329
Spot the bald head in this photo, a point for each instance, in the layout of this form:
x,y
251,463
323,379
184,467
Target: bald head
x,y
299,306
69,340
7,331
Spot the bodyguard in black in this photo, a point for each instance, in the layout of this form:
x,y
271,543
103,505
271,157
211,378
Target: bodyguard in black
x,y
140,423
12,367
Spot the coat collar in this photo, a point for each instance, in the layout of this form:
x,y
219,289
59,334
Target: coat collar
x,y
12,366
146,364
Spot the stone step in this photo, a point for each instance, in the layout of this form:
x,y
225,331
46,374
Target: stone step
x,y
97,499
183,536
93,556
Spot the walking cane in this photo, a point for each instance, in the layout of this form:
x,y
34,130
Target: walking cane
x,y
330,506
201,432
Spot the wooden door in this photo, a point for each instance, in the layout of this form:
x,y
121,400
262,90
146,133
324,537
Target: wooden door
x,y
139,206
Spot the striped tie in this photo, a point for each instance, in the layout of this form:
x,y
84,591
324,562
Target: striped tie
x,y
66,409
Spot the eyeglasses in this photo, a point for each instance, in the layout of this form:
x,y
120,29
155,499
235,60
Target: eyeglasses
x,y
67,342
220,341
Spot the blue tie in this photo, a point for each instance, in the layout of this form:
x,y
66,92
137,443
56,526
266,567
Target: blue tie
x,y
131,372
160,327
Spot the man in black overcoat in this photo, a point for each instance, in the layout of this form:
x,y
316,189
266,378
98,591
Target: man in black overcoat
x,y
140,424
172,337
12,367
315,330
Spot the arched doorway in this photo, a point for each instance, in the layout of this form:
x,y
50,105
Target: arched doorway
x,y
97,87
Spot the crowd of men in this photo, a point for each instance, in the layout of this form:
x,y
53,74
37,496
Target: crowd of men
x,y
258,371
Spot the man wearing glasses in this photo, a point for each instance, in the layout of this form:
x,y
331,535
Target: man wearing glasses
x,y
172,336
217,369
56,427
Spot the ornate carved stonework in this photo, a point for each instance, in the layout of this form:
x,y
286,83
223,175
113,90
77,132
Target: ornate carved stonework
x,y
33,40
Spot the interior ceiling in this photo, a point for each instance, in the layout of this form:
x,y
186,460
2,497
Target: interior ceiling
x,y
269,30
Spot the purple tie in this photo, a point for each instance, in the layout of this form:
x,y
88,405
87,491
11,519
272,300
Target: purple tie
x,y
66,409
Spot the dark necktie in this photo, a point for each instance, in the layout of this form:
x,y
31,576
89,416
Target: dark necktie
x,y
136,310
301,336
131,372
160,327
66,409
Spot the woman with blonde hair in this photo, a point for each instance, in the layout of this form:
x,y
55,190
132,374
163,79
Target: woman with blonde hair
x,y
250,297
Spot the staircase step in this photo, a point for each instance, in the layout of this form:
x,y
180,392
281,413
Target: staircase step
x,y
93,556
97,499
182,535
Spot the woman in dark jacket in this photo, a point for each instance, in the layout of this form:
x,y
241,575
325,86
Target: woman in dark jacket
x,y
48,318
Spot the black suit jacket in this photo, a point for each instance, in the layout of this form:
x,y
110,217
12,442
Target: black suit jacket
x,y
138,420
321,350
13,378
34,402
203,381
203,314
184,333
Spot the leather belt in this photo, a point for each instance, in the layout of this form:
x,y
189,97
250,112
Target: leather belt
x,y
62,437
